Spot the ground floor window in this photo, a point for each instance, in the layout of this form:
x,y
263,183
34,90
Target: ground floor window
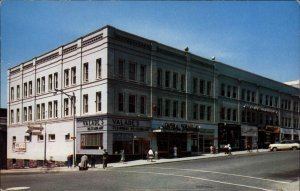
x,y
91,141
167,141
123,141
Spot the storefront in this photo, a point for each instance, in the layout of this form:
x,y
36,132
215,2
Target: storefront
x,y
286,134
229,134
114,134
249,136
296,134
268,135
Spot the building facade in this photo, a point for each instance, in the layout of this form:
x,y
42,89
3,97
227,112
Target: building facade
x,y
3,138
133,93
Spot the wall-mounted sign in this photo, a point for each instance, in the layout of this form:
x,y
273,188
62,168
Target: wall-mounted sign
x,y
20,147
92,124
119,124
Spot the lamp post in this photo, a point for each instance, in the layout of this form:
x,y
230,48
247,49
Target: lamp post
x,y
72,98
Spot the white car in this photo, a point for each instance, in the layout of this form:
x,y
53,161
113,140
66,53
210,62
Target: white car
x,y
285,145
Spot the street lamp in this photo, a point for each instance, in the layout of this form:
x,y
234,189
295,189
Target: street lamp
x,y
72,98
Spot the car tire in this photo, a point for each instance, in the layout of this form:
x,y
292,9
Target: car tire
x,y
294,148
274,149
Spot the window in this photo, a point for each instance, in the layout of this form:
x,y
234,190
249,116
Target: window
x,y
50,110
248,95
234,92
208,113
12,116
175,79
85,103
260,98
25,114
55,80
222,89
195,80
208,89
234,115
18,92
132,71
228,91
121,102
98,101
243,94
43,111
167,108
182,82
40,138
55,113
121,69
30,113
85,72
132,103
167,79
73,75
91,141
66,77
14,139
43,85
271,100
159,107
30,88
202,112
50,82
143,74
38,84
66,106
12,93
25,90
98,68
38,112
67,137
143,105
18,115
51,137
175,108
228,114
73,112
182,113
195,111
27,138
276,102
222,113
243,116
253,97
202,87
159,77
267,100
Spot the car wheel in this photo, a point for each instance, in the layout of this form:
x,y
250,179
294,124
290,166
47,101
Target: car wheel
x,y
274,149
294,148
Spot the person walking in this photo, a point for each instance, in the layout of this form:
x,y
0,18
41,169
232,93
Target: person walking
x,y
150,155
229,149
122,156
175,151
69,159
105,157
93,161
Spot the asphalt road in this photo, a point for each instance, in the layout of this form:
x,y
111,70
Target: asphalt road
x,y
255,171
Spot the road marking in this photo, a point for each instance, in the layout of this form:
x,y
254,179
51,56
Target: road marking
x,y
213,172
197,178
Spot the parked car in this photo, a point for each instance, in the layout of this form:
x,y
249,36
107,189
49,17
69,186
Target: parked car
x,y
285,145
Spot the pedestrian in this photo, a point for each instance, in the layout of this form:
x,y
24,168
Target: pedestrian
x,y
105,158
150,154
175,151
93,161
122,156
211,149
69,158
229,149
226,149
83,163
248,148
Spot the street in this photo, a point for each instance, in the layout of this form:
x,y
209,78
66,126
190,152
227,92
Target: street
x,y
254,171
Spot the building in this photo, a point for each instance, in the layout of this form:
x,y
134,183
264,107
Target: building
x,y
295,83
132,93
3,138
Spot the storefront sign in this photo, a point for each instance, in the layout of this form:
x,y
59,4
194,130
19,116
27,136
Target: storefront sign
x,y
93,124
259,108
177,127
249,131
127,125
20,147
286,131
272,129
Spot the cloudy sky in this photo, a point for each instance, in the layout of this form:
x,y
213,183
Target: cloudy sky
x,y
260,37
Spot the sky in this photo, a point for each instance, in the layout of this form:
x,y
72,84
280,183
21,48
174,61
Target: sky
x,y
259,37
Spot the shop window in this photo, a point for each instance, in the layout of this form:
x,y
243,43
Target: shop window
x,y
123,141
91,141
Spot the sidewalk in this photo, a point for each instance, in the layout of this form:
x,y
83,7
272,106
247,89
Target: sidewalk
x,y
128,164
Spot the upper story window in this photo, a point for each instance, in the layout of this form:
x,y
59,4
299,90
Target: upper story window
x,y
195,80
182,113
222,89
143,105
182,82
18,115
50,110
51,137
132,103
66,107
38,112
50,82
159,77
85,72
66,77
175,80
43,110
143,73
121,102
159,107
85,103
195,111
30,88
98,101
271,100
229,91
202,112
25,90
55,80
25,114
175,108
260,98
12,116
43,85
55,109
132,71
167,107
267,100
253,96
30,113
18,91
121,68
98,68
248,95
243,94
73,75
167,79
276,102
202,87
12,93
208,114
234,92
38,84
